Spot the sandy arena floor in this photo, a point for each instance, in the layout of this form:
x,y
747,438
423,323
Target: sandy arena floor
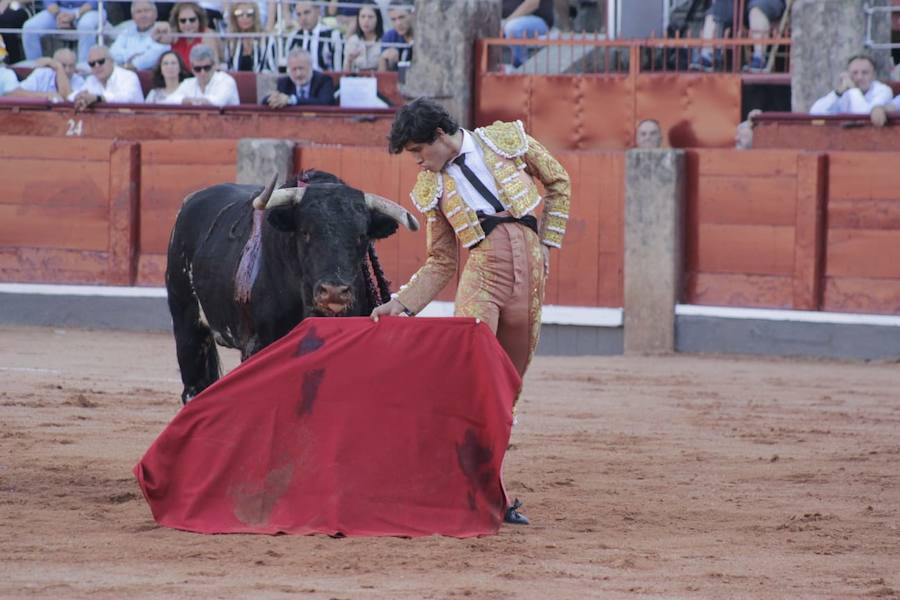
x,y
678,477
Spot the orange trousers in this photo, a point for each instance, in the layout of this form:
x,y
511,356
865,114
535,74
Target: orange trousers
x,y
502,284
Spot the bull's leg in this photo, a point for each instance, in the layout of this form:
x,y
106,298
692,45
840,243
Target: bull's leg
x,y
198,358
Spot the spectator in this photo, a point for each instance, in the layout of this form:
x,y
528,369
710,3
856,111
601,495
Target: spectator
x,y
63,14
135,47
107,82
8,80
743,135
213,10
302,85
345,17
208,86
188,18
857,91
249,54
324,45
880,113
720,16
525,19
12,18
648,135
52,78
363,48
167,76
265,9
397,43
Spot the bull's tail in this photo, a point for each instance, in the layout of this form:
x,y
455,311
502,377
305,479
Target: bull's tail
x,y
198,358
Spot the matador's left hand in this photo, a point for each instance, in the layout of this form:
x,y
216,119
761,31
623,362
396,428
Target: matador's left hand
x,y
546,250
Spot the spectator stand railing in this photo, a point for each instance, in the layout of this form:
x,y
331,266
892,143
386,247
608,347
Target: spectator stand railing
x,y
871,12
587,54
580,93
283,30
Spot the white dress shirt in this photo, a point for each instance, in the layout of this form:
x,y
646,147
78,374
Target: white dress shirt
x,y
123,86
853,101
475,162
220,91
43,79
8,80
137,47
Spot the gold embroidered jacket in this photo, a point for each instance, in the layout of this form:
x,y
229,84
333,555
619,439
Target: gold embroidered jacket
x,y
513,157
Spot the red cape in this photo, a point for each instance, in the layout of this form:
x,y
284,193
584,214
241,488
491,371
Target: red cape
x,y
344,427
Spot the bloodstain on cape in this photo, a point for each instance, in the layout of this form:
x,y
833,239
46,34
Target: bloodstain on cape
x,y
344,427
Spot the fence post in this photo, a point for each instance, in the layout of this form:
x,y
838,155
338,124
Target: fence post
x,y
809,237
654,226
124,209
257,159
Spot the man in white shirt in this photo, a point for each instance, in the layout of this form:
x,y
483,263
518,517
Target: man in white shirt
x,y
52,78
135,46
857,91
324,45
8,80
107,82
208,86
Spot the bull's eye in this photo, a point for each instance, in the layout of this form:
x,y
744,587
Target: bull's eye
x,y
363,240
306,237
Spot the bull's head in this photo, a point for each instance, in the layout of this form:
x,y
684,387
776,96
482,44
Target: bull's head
x,y
331,225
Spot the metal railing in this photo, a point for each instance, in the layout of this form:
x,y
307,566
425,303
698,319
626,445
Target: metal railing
x,y
282,30
586,55
871,12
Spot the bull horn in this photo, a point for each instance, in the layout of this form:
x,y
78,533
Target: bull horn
x,y
259,203
287,196
392,210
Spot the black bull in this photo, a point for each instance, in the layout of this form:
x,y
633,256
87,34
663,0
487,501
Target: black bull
x,y
244,277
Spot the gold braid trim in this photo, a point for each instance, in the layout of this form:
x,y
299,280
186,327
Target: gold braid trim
x,y
428,190
506,139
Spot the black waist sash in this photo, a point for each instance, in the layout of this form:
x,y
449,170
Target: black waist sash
x,y
490,222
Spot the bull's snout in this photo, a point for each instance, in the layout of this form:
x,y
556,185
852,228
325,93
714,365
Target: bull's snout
x,y
332,298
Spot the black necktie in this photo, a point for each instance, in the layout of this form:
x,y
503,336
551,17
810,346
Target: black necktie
x,y
460,161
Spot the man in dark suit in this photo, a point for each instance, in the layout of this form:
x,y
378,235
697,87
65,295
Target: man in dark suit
x,y
301,86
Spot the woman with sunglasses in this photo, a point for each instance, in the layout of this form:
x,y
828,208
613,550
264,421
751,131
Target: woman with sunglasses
x,y
188,18
364,47
170,71
249,53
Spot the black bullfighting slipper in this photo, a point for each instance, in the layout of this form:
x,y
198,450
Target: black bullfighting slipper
x,y
513,516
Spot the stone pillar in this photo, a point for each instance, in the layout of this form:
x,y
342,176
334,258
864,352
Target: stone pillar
x,y
654,207
443,62
824,34
257,159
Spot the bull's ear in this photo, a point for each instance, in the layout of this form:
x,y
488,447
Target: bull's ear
x,y
282,217
380,225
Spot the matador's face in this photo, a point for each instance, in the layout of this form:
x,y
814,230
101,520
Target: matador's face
x,y
435,155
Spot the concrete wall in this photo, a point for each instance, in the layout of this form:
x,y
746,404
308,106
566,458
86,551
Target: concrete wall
x,y
824,34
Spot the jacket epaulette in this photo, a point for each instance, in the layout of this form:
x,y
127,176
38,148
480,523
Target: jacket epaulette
x,y
427,191
507,139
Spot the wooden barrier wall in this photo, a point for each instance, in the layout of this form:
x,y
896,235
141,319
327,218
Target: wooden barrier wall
x,y
171,169
862,272
794,229
601,112
754,228
68,210
773,228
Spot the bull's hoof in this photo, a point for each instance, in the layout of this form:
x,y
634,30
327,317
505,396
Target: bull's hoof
x,y
513,516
